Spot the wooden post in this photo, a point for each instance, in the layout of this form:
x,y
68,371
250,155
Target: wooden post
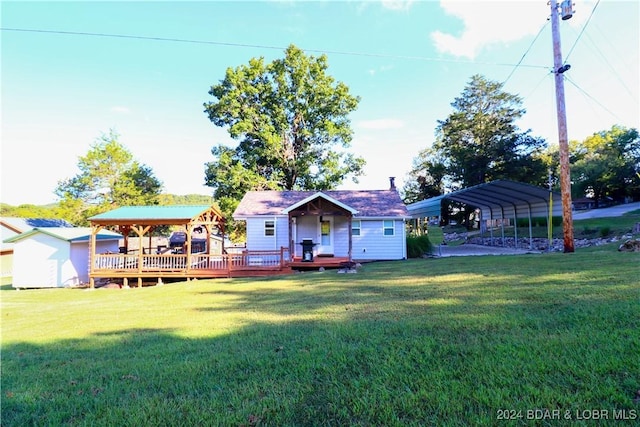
x,y
92,255
350,231
281,257
565,178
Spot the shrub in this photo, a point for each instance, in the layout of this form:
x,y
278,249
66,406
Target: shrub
x,y
539,221
417,246
605,231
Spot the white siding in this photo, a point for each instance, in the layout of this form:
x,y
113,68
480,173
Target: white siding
x,y
40,261
80,260
257,241
341,238
43,261
372,244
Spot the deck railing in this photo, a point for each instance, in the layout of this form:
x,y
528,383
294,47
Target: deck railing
x,y
247,260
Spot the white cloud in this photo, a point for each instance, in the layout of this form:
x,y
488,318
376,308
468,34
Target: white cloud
x,y
487,23
380,124
397,4
120,109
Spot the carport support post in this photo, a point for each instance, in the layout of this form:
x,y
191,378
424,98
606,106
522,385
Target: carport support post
x,y
515,227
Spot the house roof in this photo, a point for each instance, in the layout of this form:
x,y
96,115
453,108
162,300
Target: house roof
x,y
367,203
496,199
73,234
314,196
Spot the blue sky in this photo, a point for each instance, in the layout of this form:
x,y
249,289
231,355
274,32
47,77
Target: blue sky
x,y
407,60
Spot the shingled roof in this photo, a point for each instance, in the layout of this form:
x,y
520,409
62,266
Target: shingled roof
x,y
371,203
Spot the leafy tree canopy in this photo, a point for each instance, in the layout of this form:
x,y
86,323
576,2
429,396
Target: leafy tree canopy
x,y
109,177
607,164
478,142
291,120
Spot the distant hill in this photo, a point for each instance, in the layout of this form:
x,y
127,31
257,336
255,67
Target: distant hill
x,y
51,210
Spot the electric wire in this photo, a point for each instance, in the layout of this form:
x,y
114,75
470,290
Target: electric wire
x,y
525,53
584,27
545,77
591,97
610,66
257,46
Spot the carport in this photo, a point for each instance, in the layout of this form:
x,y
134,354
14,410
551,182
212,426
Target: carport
x,y
501,199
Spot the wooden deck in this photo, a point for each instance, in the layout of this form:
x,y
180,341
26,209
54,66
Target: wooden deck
x,y
318,261
189,266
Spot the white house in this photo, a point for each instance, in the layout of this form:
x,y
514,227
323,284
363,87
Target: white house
x,y
55,257
13,226
358,225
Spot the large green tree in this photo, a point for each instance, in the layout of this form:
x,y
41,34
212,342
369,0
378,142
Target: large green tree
x,y
291,119
607,164
109,177
478,142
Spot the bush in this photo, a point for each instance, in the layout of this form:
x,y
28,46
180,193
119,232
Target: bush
x,y
417,246
605,231
539,221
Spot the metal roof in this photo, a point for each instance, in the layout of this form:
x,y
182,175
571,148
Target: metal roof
x,y
25,224
70,234
136,213
496,199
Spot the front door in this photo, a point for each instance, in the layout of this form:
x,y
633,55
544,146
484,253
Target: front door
x,y
325,244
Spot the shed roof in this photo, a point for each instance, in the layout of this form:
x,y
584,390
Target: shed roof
x,y
367,203
496,199
70,234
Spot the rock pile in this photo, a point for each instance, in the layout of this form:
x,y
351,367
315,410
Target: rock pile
x,y
540,244
631,245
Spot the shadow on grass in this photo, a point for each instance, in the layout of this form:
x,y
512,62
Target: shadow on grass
x,y
364,349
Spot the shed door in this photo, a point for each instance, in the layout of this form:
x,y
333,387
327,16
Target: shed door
x,y
325,235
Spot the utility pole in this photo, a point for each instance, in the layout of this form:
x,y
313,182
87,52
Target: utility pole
x,y
558,70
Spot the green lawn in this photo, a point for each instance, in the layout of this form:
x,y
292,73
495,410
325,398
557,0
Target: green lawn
x,y
445,341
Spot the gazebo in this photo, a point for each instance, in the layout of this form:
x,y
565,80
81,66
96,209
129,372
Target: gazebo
x,y
194,261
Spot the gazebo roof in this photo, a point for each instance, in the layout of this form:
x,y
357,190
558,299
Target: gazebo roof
x,y
154,215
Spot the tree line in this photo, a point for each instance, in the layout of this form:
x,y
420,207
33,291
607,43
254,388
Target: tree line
x,y
291,121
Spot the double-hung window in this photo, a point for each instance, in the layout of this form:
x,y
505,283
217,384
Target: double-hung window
x,y
387,228
269,227
356,226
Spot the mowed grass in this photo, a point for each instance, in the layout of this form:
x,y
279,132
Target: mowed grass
x,y
451,341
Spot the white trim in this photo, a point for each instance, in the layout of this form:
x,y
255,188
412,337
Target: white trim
x,y
330,247
315,196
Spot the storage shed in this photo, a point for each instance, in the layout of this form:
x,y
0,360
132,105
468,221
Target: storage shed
x,y
56,257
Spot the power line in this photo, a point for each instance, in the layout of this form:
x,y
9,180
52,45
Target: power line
x,y
581,31
591,97
525,53
247,45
